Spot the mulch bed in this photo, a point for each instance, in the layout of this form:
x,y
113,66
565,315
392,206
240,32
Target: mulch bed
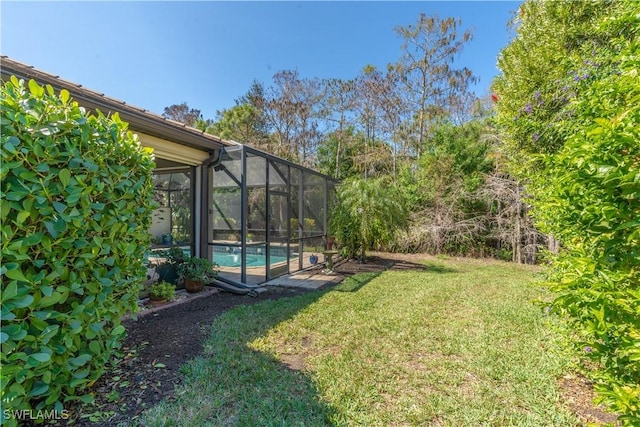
x,y
158,344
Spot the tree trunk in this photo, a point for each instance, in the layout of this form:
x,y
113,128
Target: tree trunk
x,y
552,244
517,238
338,155
534,249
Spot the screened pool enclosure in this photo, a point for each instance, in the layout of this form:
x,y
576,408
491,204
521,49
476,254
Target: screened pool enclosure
x,y
267,216
253,214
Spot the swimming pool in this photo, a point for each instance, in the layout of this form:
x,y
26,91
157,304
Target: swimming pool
x,y
225,257
253,260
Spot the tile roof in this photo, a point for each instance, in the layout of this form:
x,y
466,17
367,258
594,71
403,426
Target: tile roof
x,y
139,119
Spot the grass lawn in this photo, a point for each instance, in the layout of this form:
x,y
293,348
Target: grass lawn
x,y
458,343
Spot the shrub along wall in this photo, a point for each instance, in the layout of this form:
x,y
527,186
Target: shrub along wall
x,y
76,206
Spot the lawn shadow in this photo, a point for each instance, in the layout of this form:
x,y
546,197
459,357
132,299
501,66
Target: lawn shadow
x,y
437,268
355,282
236,382
378,263
233,380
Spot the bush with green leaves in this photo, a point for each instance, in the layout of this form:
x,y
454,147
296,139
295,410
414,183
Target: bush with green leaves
x,y
366,214
592,204
197,269
162,291
76,206
578,122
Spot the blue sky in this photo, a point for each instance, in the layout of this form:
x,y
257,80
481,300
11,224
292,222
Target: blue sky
x,y
154,54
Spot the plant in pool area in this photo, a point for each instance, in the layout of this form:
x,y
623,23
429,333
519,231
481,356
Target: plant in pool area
x,y
197,269
309,223
162,291
175,255
195,272
167,269
294,223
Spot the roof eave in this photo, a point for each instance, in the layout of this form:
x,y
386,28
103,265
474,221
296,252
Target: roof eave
x,y
139,120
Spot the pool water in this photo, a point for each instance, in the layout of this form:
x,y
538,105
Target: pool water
x,y
224,259
253,260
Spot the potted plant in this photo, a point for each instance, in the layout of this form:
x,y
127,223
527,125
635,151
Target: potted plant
x,y
168,269
195,271
161,292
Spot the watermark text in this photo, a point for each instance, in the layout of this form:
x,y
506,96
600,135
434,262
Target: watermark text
x,y
35,414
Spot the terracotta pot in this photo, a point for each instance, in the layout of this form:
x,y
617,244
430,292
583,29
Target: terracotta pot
x,y
192,286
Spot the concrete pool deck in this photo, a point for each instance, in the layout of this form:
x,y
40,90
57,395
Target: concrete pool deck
x,y
314,278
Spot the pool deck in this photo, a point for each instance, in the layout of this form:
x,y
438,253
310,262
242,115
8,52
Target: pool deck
x,y
314,278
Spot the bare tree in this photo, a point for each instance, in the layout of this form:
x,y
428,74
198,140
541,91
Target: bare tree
x,y
443,223
182,113
510,222
339,103
433,88
292,113
379,111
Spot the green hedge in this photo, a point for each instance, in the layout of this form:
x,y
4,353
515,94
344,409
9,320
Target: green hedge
x,y
76,205
592,204
568,103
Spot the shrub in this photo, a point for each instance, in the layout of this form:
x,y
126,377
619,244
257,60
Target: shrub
x,y
569,101
366,214
76,206
175,255
197,269
593,205
162,291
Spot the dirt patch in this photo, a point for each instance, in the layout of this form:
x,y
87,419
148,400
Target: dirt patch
x,y
578,395
158,344
293,361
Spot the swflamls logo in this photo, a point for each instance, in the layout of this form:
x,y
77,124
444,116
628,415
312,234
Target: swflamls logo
x,y
31,414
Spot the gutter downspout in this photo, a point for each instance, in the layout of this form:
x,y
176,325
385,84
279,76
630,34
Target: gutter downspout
x,y
214,159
